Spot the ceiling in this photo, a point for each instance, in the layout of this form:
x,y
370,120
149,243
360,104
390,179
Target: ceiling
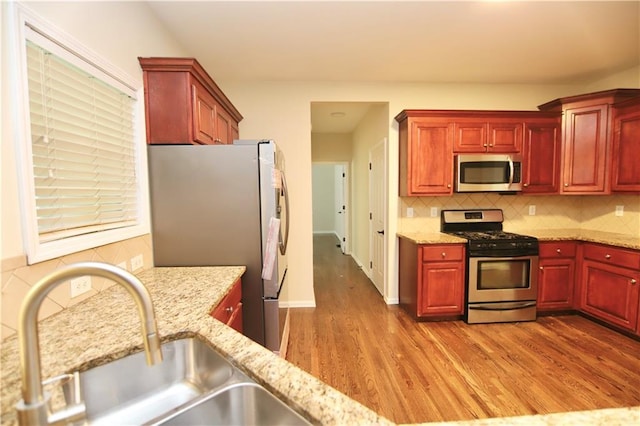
x,y
528,42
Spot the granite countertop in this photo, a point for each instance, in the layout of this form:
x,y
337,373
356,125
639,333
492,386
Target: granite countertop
x,y
586,235
106,327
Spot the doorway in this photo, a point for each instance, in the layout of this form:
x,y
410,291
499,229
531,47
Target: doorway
x,y
331,202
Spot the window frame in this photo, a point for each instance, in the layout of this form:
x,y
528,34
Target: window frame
x,y
37,251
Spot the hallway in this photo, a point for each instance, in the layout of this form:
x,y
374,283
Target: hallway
x,y
413,372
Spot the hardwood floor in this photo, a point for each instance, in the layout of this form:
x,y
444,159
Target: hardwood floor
x,y
413,372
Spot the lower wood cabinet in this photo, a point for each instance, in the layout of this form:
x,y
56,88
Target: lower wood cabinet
x,y
610,285
557,263
229,311
432,279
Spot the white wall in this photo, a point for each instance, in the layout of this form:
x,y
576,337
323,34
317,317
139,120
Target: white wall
x,y
323,198
281,110
117,31
122,31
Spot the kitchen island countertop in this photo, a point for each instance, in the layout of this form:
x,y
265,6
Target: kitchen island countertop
x,y
106,327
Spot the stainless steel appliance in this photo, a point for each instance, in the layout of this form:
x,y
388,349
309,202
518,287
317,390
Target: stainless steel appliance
x,y
215,205
488,173
502,267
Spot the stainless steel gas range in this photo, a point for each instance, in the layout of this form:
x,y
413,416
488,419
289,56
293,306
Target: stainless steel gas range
x,y
502,267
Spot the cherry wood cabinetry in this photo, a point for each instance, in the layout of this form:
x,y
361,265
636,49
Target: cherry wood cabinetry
x,y
586,139
184,105
557,263
430,138
610,285
426,154
480,135
625,174
431,281
229,310
541,156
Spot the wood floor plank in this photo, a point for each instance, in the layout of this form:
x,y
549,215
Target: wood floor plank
x,y
415,372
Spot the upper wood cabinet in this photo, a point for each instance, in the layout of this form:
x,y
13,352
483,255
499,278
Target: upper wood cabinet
x,y
479,135
541,155
586,139
625,173
184,105
426,154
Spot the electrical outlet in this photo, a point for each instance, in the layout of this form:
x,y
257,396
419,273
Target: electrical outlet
x,y
80,285
619,210
409,211
532,210
434,212
136,263
122,265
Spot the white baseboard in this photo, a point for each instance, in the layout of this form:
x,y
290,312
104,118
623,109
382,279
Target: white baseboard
x,y
298,304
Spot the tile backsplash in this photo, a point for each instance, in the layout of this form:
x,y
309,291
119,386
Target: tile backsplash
x,y
18,277
551,212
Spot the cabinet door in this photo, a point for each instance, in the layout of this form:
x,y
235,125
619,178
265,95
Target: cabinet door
x,y
585,150
541,165
440,289
555,283
504,137
229,310
204,116
470,136
430,163
611,293
626,146
224,127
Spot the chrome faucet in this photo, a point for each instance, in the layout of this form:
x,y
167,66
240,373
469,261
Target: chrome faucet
x,y
34,408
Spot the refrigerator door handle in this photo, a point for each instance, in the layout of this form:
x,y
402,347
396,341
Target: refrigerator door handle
x,y
285,240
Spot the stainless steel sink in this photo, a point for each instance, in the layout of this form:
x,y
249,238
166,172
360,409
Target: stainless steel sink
x,y
128,391
238,404
193,384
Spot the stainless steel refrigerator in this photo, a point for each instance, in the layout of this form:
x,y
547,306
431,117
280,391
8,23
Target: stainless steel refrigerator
x,y
219,205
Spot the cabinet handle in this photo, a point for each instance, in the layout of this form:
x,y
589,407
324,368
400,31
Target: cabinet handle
x,y
444,254
229,309
218,140
448,185
558,251
607,256
566,184
633,281
541,268
490,144
485,145
526,184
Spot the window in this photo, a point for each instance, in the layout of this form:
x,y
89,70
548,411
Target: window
x,y
81,178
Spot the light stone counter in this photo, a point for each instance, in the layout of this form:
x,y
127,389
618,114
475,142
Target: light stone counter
x,y
106,327
431,238
586,235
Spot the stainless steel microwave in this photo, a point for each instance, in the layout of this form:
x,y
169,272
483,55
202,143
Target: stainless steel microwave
x,y
488,173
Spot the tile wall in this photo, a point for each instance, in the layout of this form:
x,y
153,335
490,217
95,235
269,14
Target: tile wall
x,y
552,212
18,277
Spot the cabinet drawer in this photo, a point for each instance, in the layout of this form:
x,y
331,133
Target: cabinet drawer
x,y
612,255
442,252
558,249
225,310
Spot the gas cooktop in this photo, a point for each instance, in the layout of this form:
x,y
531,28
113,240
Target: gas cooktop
x,y
483,231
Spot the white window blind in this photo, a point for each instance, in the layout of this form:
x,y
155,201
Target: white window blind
x,y
83,149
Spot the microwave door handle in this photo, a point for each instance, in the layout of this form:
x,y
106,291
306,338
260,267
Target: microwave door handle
x,y
511,171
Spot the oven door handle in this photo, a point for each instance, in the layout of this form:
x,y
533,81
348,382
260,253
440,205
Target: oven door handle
x,y
501,306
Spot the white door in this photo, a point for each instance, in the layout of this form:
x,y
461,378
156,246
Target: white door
x,y
377,203
340,205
